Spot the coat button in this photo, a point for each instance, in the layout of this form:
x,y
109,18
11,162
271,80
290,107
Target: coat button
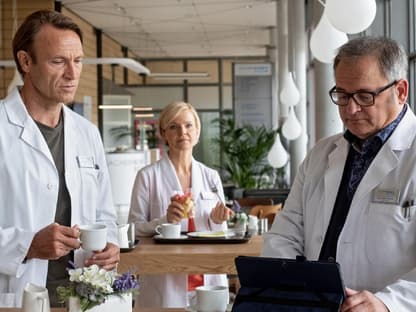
x,y
50,186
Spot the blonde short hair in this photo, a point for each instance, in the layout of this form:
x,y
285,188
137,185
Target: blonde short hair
x,y
172,110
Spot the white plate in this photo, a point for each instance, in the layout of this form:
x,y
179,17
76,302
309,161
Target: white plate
x,y
209,234
161,237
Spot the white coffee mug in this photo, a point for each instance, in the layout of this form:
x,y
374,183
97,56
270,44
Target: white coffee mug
x,y
253,222
93,236
35,299
123,239
169,230
211,298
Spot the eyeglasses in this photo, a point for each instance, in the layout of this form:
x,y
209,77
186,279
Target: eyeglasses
x,y
362,98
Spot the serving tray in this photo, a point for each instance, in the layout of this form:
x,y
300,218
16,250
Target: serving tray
x,y
203,240
136,242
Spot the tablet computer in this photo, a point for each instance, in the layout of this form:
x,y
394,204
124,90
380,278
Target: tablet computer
x,y
277,284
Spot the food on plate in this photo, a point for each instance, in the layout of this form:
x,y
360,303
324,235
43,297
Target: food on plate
x,y
186,201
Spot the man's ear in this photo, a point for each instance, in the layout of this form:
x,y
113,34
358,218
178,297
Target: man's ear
x,y
402,90
25,60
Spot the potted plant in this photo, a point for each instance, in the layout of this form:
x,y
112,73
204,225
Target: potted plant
x,y
244,152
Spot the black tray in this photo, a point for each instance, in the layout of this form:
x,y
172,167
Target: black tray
x,y
203,240
136,242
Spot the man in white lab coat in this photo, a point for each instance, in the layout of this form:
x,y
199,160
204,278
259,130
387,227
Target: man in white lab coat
x,y
53,174
352,199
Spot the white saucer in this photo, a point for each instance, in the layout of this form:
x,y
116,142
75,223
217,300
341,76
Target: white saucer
x,y
158,236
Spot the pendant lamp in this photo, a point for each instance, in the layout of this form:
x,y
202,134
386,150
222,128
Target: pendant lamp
x,y
289,94
352,16
277,156
291,128
325,40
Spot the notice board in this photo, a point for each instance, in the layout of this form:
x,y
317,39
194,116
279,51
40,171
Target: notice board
x,y
252,96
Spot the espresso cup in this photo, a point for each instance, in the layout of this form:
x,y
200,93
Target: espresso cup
x,y
211,298
169,230
93,237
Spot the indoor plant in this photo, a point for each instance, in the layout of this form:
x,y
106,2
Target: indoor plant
x,y
91,287
244,154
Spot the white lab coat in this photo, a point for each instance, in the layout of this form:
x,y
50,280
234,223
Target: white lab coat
x,y
152,190
29,190
377,246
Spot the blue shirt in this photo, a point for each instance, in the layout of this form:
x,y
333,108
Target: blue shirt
x,y
360,156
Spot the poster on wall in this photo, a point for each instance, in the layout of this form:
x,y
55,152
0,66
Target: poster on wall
x,y
252,98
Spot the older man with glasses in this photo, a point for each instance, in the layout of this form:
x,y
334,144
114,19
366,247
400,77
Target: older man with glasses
x,y
352,199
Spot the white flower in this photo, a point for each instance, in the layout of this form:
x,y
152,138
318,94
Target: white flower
x,y
75,274
99,279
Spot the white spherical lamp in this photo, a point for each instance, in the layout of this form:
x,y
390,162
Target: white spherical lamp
x,y
277,156
325,40
352,16
291,128
289,94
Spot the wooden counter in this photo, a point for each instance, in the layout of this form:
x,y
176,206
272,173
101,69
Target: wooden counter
x,y
153,258
134,310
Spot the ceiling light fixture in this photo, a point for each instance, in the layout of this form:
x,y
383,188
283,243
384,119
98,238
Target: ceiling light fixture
x,y
129,63
142,108
107,106
123,61
144,115
180,76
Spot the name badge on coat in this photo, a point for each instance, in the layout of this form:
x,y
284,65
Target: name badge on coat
x,y
208,195
386,196
86,161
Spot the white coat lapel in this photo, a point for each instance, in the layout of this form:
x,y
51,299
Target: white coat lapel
x,y
197,186
19,116
386,160
333,176
170,176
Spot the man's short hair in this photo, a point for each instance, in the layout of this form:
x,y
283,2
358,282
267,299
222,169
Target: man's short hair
x,y
24,37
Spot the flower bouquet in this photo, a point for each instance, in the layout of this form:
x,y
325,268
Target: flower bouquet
x,y
239,221
91,287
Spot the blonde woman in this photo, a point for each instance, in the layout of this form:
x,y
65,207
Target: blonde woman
x,y
152,203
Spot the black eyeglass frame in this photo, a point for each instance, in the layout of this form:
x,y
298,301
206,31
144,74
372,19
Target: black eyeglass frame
x,y
351,95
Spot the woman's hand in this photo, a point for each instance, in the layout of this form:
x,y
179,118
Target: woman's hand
x,y
220,213
176,211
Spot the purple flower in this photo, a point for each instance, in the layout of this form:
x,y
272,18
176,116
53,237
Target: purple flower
x,y
236,206
125,282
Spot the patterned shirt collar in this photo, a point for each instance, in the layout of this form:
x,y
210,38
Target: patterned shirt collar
x,y
376,141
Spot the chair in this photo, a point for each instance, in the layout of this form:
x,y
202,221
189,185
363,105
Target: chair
x,y
247,203
266,211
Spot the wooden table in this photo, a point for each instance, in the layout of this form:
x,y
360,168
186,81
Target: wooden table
x,y
134,310
153,258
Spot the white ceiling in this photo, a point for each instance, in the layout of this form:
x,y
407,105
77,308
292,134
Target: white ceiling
x,y
183,28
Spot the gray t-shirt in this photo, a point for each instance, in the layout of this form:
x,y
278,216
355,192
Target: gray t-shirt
x,y
57,273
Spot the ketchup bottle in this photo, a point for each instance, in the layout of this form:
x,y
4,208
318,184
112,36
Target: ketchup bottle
x,y
191,224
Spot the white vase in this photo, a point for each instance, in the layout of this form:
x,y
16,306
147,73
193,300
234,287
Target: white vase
x,y
122,303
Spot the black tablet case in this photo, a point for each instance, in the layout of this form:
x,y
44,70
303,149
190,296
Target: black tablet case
x,y
288,285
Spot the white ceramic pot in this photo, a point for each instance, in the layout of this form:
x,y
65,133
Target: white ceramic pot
x,y
113,303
